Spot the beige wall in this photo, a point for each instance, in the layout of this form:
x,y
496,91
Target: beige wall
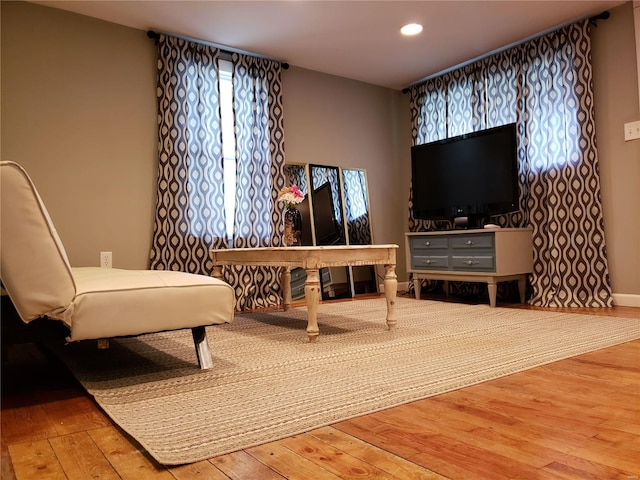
x,y
616,102
636,21
79,112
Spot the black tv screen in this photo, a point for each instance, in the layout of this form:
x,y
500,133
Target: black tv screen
x,y
473,175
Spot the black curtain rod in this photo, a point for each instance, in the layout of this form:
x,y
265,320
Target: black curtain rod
x,y
593,21
155,36
601,16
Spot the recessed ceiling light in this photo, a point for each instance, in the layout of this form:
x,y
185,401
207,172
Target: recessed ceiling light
x,y
411,29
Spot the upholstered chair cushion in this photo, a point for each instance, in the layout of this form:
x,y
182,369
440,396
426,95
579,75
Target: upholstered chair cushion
x,y
114,302
34,267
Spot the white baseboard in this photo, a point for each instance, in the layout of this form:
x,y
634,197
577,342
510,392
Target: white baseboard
x,y
619,299
626,300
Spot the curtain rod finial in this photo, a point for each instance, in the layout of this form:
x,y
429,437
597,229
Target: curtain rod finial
x,y
601,16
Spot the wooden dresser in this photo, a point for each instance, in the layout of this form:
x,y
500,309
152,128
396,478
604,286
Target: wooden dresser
x,y
488,255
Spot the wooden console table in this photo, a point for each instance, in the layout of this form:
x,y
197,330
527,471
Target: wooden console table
x,y
312,259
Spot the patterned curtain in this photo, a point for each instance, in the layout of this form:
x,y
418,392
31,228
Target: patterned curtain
x,y
189,214
257,92
545,86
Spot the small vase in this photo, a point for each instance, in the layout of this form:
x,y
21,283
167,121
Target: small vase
x,y
292,227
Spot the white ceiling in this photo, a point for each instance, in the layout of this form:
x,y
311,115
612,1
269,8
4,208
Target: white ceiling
x,y
353,39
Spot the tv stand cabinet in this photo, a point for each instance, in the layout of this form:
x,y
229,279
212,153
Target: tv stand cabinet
x,y
488,255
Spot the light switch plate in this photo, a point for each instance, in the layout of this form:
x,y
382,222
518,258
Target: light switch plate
x,y
631,131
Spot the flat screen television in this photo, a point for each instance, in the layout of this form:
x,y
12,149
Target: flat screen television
x,y
466,179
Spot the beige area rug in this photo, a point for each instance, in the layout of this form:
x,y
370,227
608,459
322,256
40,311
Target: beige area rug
x,y
268,383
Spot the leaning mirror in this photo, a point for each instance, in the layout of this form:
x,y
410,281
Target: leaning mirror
x,y
358,222
297,174
329,227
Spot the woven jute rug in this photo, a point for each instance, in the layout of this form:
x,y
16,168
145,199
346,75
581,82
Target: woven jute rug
x,y
267,382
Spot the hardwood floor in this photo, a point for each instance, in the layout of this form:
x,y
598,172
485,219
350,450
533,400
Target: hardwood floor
x,y
574,419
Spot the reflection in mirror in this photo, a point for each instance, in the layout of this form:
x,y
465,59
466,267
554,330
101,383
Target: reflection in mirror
x,y
296,174
327,205
357,217
326,202
356,207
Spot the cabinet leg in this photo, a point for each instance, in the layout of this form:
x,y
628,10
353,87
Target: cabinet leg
x,y
493,289
417,285
522,286
446,288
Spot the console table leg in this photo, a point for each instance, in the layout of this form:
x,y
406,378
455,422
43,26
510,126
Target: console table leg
x,y
285,279
217,272
493,289
390,291
312,295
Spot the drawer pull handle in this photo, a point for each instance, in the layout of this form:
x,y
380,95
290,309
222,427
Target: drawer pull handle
x,y
471,262
469,242
426,244
429,262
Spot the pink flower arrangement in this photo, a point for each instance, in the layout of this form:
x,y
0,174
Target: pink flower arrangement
x,y
291,196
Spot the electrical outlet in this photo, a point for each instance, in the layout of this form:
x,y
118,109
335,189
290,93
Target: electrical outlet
x,y
105,259
631,131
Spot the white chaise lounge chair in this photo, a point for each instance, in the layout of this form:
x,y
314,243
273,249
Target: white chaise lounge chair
x,y
93,302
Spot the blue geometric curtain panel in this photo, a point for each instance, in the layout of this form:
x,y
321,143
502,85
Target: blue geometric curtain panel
x,y
190,216
545,87
257,92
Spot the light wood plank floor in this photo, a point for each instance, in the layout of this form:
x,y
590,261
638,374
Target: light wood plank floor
x,y
573,419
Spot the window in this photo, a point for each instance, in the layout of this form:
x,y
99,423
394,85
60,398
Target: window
x,y
228,143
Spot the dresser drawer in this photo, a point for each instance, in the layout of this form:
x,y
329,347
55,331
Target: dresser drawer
x,y
472,241
428,243
430,262
298,274
475,262
297,291
475,255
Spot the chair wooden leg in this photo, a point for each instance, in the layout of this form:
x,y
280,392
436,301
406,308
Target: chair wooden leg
x,y
202,347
